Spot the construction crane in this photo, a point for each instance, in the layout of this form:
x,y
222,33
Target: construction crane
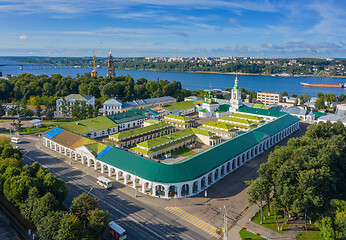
x,y
94,73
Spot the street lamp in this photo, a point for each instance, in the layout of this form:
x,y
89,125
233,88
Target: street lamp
x,y
225,226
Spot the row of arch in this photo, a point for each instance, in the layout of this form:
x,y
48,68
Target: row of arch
x,y
168,190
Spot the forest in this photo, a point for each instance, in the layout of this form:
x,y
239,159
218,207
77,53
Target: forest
x,y
38,196
44,90
307,178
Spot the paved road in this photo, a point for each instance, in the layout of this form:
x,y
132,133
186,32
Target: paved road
x,y
139,220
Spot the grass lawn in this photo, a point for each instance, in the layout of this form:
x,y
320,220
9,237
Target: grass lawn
x,y
269,221
5,121
183,152
312,233
30,130
245,235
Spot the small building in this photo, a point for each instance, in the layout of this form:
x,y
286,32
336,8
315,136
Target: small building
x,y
113,105
132,118
70,100
132,137
269,97
165,144
221,129
181,108
36,123
341,106
179,121
92,127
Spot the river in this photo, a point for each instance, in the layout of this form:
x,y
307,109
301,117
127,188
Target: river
x,y
191,81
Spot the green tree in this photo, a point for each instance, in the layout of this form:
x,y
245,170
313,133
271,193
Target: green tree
x,y
284,94
38,110
16,189
27,207
82,205
257,193
18,125
56,186
76,110
70,228
48,227
319,104
341,97
329,98
293,95
43,206
98,223
326,229
320,95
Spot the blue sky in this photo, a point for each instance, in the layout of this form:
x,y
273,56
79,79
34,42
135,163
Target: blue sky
x,y
156,28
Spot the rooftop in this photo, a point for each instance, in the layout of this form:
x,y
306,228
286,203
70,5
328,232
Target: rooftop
x,y
140,131
198,164
239,115
78,97
89,125
179,106
221,125
237,120
180,118
132,115
263,112
165,139
140,102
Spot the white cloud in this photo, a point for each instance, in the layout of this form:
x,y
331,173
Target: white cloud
x,y
23,37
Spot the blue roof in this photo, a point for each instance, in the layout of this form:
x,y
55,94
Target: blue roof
x,y
53,132
103,152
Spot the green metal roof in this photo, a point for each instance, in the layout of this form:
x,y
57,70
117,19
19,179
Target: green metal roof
x,y
131,115
319,114
223,108
198,164
246,116
181,118
237,120
96,148
89,125
179,106
271,113
140,131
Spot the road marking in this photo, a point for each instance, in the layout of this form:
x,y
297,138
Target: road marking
x,y
194,221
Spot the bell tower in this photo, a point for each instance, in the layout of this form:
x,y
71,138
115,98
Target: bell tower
x,y
235,100
110,68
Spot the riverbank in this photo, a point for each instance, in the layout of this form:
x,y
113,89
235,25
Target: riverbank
x,y
230,73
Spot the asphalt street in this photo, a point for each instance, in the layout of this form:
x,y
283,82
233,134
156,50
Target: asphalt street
x,y
139,220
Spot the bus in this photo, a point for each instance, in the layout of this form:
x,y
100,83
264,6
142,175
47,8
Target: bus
x,y
104,182
116,231
15,140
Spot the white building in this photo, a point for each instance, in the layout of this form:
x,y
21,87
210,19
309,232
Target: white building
x,y
71,100
111,106
213,107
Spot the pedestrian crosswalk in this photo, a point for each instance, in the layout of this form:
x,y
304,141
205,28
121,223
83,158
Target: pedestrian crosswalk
x,y
194,221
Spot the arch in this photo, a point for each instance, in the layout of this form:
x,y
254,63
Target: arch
x,y
195,187
185,190
172,191
222,171
210,178
233,164
160,190
97,165
203,183
111,170
216,174
228,168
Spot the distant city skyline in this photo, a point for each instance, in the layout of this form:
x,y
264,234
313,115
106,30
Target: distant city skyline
x,y
153,28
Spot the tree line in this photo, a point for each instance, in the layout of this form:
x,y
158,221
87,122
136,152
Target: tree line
x,y
307,178
38,196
